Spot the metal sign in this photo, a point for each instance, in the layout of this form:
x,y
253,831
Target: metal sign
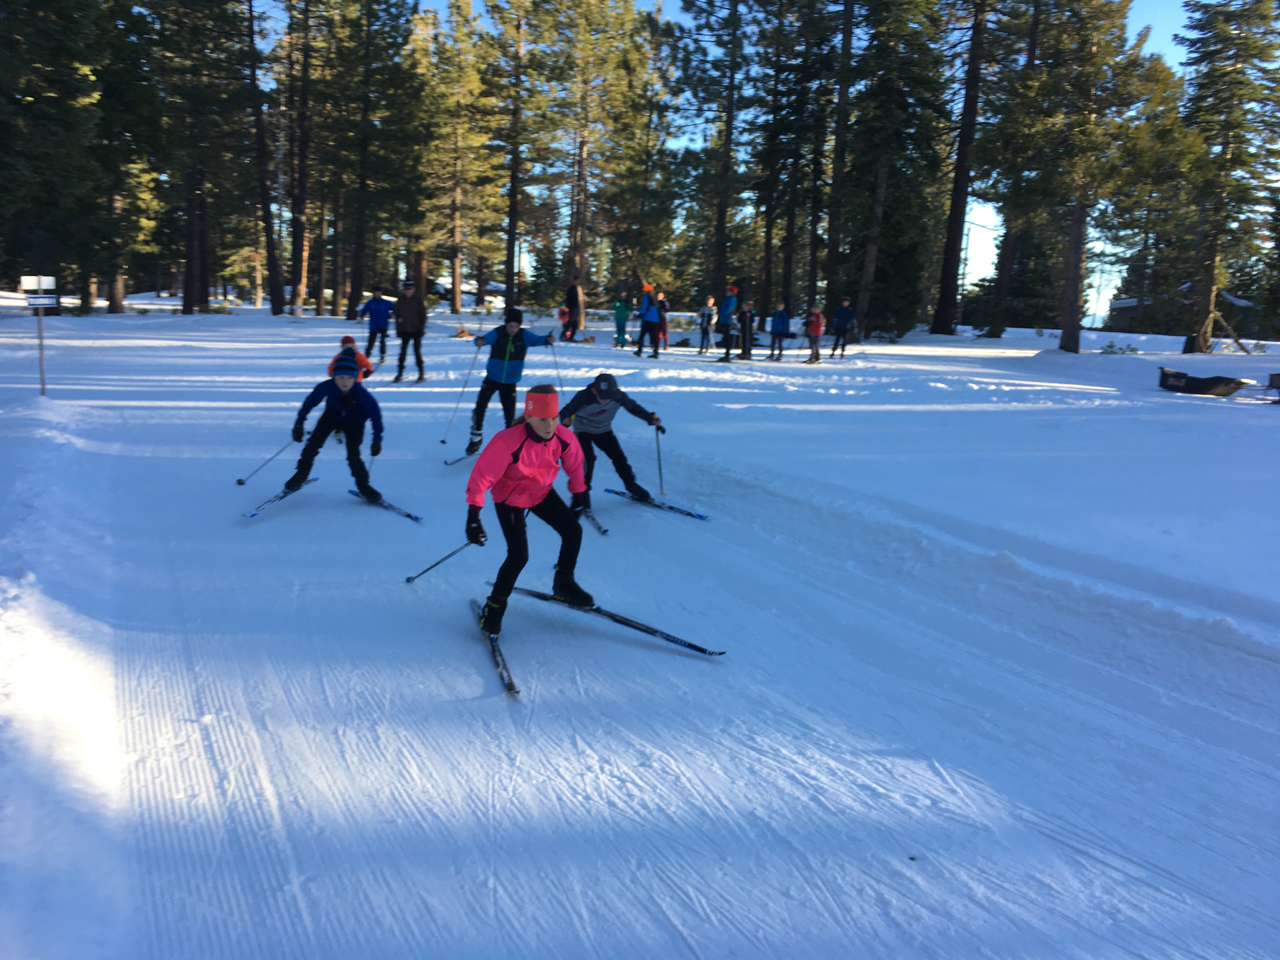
x,y
36,283
49,300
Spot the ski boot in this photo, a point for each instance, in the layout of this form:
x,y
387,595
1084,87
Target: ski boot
x,y
491,614
566,589
474,446
370,494
294,483
637,491
399,377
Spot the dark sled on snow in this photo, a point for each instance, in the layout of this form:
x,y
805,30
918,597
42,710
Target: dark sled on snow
x,y
1201,386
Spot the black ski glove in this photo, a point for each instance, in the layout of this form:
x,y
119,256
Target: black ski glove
x,y
375,448
297,433
581,503
659,427
475,529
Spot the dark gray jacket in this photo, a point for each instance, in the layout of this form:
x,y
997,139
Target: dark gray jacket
x,y
591,416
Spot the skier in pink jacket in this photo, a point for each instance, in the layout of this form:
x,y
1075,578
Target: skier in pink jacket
x,y
519,466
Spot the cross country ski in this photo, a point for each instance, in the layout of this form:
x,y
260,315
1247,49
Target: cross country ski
x,y
277,498
499,660
386,505
660,506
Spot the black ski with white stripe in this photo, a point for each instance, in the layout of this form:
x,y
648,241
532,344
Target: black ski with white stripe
x,y
278,497
386,506
661,506
499,660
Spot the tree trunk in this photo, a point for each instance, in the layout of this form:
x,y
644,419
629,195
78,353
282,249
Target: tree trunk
x,y
871,251
362,182
339,265
301,233
191,266
819,134
1004,276
1073,287
789,243
274,282
720,254
115,282
318,252
512,266
455,234
835,207
766,266
944,317
482,280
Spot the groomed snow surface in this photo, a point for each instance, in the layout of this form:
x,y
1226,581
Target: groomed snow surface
x,y
1001,678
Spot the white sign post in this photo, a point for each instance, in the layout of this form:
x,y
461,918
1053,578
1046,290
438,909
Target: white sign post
x,y
39,300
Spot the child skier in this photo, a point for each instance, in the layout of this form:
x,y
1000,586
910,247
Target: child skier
x,y
508,343
664,311
591,412
724,322
347,405
377,309
706,317
779,327
361,360
519,465
813,328
620,322
649,321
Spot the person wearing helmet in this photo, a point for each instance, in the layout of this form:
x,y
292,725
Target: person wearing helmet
x,y
348,406
507,347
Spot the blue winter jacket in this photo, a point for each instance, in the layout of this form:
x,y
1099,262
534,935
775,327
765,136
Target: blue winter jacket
x,y
355,406
506,359
649,310
780,323
844,318
377,310
727,309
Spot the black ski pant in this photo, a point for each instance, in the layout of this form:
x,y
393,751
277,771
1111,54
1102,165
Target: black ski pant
x,y
553,511
506,393
373,338
609,446
842,337
648,328
775,344
354,433
748,337
405,340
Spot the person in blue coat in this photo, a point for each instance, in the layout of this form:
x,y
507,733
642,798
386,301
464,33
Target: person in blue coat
x,y
650,317
378,310
508,345
842,324
779,327
347,406
724,323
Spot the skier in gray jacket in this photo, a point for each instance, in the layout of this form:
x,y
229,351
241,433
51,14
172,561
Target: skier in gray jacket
x,y
591,412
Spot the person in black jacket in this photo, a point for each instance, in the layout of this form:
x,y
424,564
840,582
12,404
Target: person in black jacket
x,y
591,413
347,406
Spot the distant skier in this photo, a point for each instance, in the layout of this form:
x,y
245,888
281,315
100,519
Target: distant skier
x,y
519,466
591,412
706,317
779,327
620,322
664,311
411,323
361,360
813,329
842,324
508,344
347,405
378,309
747,324
724,322
649,320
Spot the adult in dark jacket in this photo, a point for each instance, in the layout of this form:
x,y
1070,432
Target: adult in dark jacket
x,y
724,323
591,413
411,323
843,325
747,324
347,405
507,347
664,310
649,320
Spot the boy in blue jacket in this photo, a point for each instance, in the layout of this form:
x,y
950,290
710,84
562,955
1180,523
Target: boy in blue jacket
x,y
347,406
508,345
378,310
779,327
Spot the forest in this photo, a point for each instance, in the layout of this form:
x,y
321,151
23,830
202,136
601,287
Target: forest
x,y
542,152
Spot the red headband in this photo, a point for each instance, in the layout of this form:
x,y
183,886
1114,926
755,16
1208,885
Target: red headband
x,y
545,405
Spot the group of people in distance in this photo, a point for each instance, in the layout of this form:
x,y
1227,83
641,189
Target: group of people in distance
x,y
410,314
517,467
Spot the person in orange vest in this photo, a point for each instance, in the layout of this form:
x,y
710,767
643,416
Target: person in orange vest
x,y
366,368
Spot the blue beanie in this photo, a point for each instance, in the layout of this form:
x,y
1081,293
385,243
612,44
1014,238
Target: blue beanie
x,y
345,365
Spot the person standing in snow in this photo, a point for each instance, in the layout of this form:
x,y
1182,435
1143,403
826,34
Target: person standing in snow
x,y
779,327
747,323
411,323
347,406
519,466
842,324
724,323
649,320
378,309
706,317
591,412
362,362
664,308
813,328
620,322
508,345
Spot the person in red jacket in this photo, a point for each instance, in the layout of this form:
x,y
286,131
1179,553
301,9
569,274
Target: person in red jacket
x,y
813,327
362,362
519,465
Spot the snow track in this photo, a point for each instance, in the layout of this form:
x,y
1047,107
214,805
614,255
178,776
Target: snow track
x,y
971,707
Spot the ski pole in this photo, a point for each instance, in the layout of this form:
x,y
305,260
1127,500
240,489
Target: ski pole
x,y
662,491
265,462
461,393
438,562
557,363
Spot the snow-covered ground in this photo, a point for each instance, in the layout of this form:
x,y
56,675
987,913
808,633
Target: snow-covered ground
x,y
1001,678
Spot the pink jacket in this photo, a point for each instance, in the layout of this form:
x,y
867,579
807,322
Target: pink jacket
x,y
521,469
